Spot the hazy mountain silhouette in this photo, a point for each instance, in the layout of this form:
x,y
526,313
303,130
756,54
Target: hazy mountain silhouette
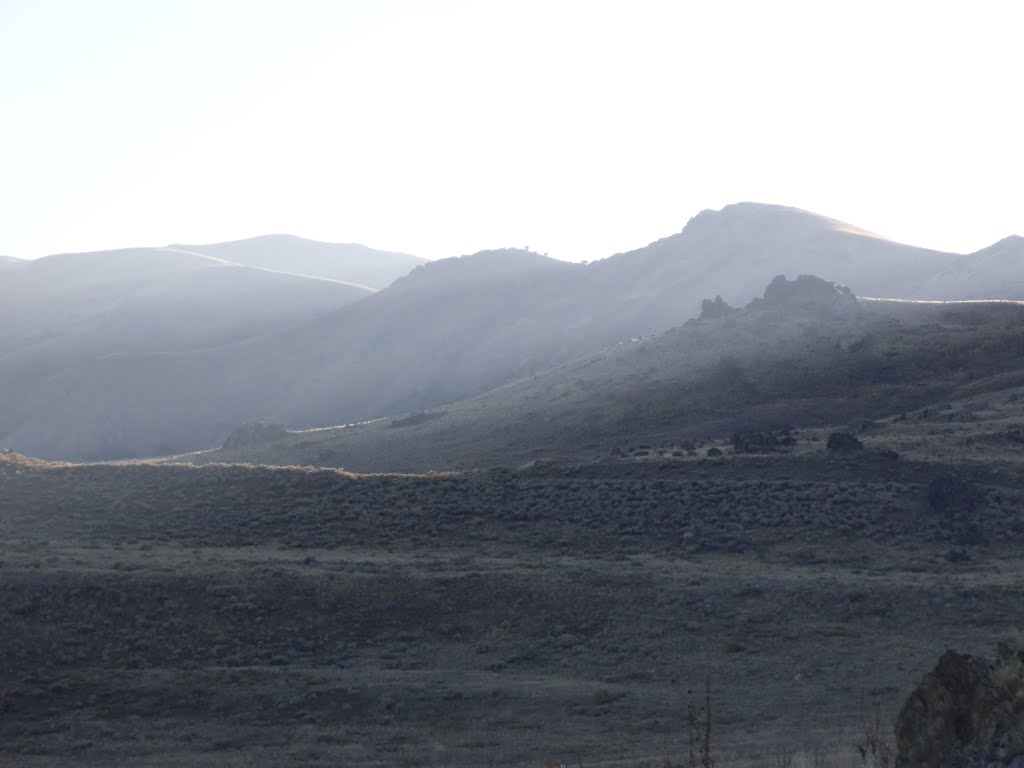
x,y
61,313
8,262
339,261
151,300
996,272
449,330
736,251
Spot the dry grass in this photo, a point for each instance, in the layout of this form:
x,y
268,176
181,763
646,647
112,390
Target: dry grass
x,y
164,615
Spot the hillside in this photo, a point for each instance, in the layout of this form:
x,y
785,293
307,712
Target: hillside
x,y
62,314
806,354
9,262
561,612
991,273
734,252
349,262
449,330
800,503
150,300
403,347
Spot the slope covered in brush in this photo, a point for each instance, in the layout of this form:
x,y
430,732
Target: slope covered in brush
x,y
806,353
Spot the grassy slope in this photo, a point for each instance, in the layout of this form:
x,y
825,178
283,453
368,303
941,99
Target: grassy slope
x,y
751,370
178,614
171,614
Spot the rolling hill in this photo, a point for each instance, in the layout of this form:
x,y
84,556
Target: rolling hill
x,y
807,354
61,313
349,262
991,273
150,299
450,330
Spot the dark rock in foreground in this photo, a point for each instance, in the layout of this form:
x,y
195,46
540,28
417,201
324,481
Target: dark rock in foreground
x,y
966,713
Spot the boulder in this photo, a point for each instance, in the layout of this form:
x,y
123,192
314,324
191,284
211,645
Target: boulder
x,y
966,713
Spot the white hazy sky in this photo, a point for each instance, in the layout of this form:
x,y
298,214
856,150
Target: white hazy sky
x,y
577,127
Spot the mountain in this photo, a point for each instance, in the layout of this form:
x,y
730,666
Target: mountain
x,y
805,354
155,300
9,262
338,261
63,313
996,272
449,330
736,251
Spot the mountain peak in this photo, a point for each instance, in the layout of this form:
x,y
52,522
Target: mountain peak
x,y
750,215
1012,243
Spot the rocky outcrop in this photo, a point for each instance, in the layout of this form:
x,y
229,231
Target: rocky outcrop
x,y
809,293
712,310
966,713
818,308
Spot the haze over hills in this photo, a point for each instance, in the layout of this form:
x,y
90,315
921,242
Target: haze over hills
x,y
450,330
7,262
806,354
995,272
349,262
736,251
61,313
154,300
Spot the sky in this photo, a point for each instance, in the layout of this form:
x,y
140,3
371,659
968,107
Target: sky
x,y
579,128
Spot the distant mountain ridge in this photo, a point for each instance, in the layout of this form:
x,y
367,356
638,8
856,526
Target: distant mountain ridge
x,y
348,262
168,300
449,330
995,272
105,311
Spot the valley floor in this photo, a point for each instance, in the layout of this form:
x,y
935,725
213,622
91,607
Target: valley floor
x,y
239,615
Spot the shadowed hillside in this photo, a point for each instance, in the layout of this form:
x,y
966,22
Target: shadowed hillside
x,y
806,354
